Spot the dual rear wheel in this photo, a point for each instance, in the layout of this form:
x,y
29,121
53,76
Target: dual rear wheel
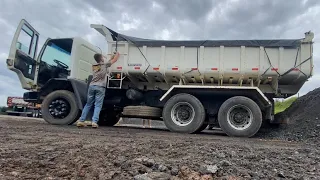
x,y
238,116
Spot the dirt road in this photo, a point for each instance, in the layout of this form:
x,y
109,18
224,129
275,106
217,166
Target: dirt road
x,y
33,149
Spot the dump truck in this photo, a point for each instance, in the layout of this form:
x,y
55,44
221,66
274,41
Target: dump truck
x,y
188,84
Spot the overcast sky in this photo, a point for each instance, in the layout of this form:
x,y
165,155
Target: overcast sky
x,y
162,19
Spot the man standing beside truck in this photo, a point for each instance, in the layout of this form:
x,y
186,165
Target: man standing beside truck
x,y
96,90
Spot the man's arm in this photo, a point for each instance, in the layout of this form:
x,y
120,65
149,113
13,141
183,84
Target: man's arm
x,y
114,58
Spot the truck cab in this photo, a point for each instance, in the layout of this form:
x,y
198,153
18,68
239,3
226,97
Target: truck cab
x,y
56,76
58,58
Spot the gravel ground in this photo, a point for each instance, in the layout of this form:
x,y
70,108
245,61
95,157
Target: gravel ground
x,y
303,121
33,149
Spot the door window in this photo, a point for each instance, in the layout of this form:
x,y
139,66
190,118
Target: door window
x,y
27,41
26,48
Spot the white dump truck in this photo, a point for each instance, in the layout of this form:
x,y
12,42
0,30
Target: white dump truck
x,y
187,84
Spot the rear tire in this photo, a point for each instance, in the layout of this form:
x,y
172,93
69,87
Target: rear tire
x,y
240,117
184,113
204,126
67,97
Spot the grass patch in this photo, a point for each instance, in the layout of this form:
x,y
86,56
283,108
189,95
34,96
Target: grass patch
x,y
281,106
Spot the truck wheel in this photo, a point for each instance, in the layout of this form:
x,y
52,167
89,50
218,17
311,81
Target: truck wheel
x,y
183,113
240,116
204,126
108,118
60,108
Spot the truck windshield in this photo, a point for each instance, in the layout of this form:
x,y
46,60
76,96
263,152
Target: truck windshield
x,y
57,53
55,60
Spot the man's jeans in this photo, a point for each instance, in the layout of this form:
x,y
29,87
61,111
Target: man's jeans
x,y
96,97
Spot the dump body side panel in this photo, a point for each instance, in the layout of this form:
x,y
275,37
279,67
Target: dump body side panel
x,y
276,66
279,68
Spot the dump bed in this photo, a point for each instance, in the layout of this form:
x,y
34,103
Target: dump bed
x,y
272,65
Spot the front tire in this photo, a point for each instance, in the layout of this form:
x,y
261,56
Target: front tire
x,y
60,108
184,113
240,117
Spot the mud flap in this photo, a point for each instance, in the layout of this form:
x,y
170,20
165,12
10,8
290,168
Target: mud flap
x,y
280,118
80,91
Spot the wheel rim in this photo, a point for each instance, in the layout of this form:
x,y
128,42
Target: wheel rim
x,y
240,117
59,108
182,113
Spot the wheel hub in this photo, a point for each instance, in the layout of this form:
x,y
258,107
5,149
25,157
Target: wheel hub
x,y
59,108
240,117
182,113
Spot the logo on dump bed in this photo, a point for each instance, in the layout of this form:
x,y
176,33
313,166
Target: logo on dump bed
x,y
134,64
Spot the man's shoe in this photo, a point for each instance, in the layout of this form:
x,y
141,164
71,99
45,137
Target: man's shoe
x,y
88,123
81,124
94,125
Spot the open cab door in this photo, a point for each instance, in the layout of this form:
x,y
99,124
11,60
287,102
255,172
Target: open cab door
x,y
22,55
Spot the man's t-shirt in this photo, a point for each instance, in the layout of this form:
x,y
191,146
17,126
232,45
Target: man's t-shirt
x,y
100,72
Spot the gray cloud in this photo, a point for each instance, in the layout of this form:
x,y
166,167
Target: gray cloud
x,y
161,19
192,10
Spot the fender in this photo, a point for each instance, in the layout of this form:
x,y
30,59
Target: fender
x,y
78,87
214,88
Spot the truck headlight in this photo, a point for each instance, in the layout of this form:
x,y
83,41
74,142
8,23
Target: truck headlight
x,y
9,62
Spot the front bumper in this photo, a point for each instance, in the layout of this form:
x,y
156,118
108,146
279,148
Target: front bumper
x,y
32,97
